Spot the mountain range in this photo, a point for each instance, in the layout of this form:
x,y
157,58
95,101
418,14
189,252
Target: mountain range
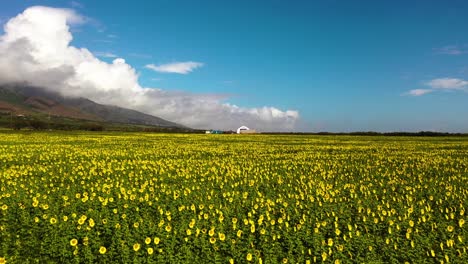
x,y
26,100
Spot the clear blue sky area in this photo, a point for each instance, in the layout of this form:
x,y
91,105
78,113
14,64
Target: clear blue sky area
x,y
344,65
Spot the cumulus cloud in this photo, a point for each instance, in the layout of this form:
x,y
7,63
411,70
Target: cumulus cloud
x,y
35,49
441,84
176,67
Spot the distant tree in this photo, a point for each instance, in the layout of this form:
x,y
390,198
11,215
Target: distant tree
x,y
18,123
38,124
92,127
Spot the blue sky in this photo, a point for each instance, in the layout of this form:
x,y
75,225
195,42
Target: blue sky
x,y
343,65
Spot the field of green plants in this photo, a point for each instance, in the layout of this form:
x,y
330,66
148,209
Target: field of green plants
x,y
164,198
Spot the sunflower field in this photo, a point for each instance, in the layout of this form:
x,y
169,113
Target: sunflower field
x,y
73,197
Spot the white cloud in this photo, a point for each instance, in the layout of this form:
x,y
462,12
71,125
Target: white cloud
x,y
105,54
441,84
419,92
35,49
176,67
448,83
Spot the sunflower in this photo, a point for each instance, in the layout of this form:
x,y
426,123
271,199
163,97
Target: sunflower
x,y
156,240
85,241
192,223
324,256
136,247
102,250
73,242
222,237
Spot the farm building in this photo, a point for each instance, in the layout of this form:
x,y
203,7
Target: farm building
x,y
245,130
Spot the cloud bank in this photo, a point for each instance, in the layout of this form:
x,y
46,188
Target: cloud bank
x,y
36,49
441,84
176,67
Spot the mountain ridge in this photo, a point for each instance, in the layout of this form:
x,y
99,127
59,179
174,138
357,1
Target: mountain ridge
x,y
29,100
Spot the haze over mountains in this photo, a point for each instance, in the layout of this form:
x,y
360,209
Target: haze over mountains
x,y
27,100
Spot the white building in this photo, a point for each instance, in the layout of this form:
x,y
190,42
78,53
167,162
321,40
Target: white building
x,y
242,128
245,130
